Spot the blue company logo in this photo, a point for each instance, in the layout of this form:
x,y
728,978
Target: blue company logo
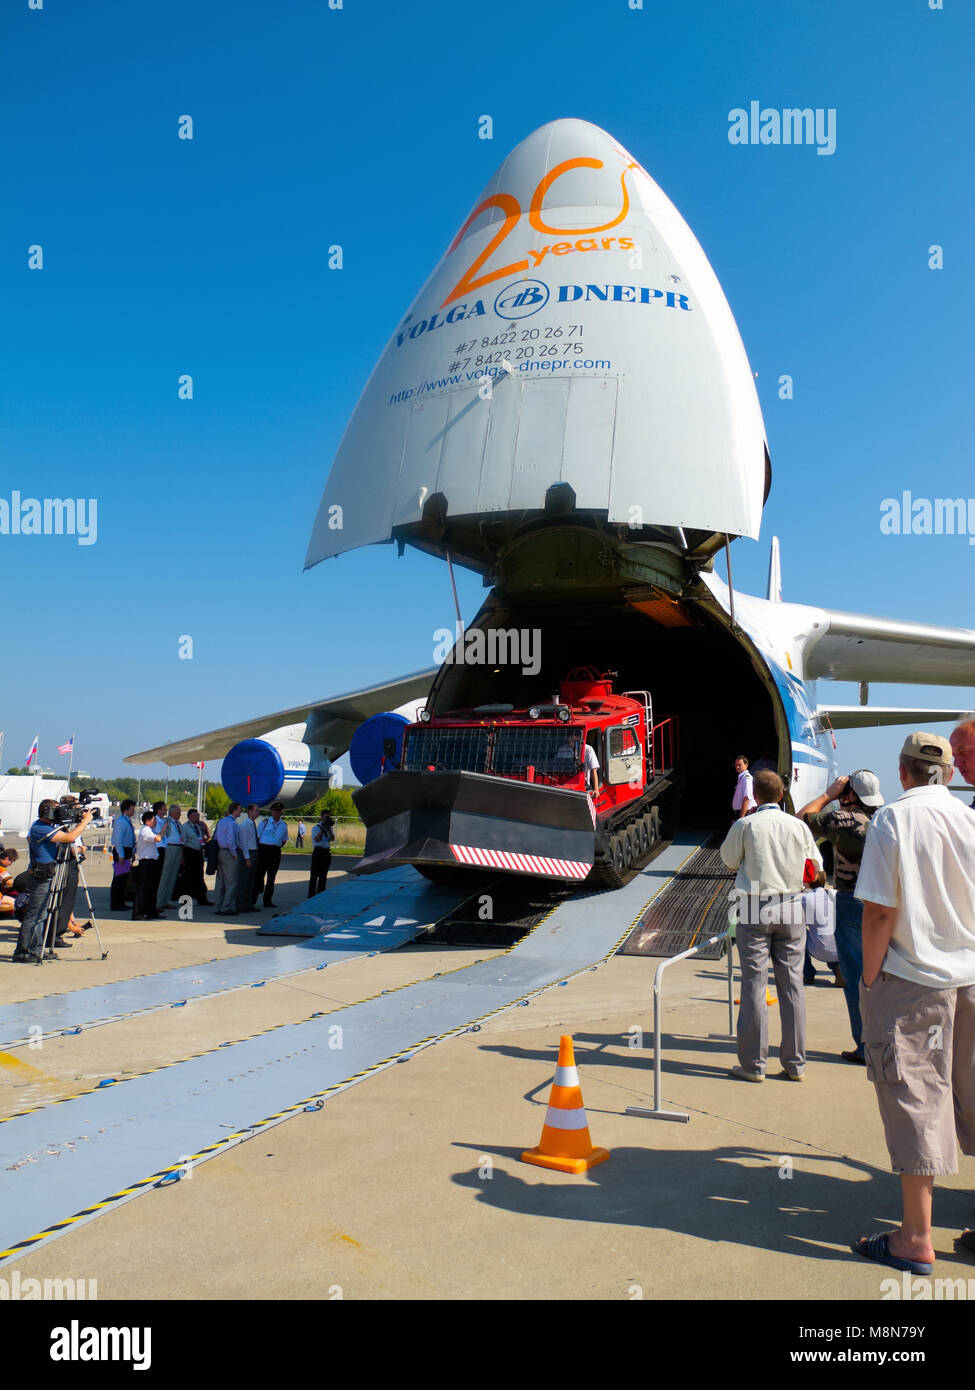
x,y
521,299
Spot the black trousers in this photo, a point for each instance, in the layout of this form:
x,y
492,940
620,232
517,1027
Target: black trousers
x,y
190,879
321,861
31,938
120,884
268,863
246,879
146,884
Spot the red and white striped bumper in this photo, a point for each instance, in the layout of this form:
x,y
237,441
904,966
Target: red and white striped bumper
x,y
474,857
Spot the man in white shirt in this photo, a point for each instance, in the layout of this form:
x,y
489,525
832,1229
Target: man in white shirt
x,y
744,798
590,762
147,869
322,836
917,995
769,850
272,836
247,859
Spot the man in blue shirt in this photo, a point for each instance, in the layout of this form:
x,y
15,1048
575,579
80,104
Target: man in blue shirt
x,y
123,851
42,841
272,835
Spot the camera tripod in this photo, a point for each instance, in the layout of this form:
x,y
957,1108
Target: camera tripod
x,y
56,899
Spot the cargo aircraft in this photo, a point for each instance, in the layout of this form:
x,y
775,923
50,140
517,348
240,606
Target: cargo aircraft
x,y
568,410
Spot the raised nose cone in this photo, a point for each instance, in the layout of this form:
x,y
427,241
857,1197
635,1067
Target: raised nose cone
x,y
572,353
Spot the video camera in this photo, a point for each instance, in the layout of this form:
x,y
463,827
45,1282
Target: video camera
x,y
74,815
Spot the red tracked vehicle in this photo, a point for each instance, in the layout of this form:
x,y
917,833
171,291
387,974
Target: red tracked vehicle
x,y
507,790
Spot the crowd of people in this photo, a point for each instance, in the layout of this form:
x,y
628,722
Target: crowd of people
x,y
902,923
158,859
167,858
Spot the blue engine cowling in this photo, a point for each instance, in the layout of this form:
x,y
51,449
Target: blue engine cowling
x,y
377,747
263,771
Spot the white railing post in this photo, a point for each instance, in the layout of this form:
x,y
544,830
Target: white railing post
x,y
658,1112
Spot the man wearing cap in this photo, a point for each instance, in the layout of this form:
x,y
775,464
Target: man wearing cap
x,y
846,828
917,995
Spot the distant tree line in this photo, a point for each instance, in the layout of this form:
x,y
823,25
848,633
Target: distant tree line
x,y
182,791
338,801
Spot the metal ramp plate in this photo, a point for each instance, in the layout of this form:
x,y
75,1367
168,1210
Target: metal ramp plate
x,y
394,908
339,905
68,1163
693,907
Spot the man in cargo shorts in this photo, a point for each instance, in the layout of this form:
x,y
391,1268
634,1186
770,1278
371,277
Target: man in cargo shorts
x,y
917,996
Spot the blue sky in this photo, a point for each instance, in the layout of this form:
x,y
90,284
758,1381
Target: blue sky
x,y
359,126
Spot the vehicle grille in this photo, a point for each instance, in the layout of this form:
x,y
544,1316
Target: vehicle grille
x,y
449,750
555,754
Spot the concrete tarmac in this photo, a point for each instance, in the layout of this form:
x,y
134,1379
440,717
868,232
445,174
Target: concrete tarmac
x,y
409,1185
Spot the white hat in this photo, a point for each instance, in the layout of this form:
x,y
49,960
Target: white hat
x,y
867,787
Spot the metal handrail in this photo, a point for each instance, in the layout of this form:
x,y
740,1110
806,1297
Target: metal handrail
x,y
658,1112
667,728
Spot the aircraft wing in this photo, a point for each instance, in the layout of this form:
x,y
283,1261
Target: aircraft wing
x,y
329,722
873,716
853,647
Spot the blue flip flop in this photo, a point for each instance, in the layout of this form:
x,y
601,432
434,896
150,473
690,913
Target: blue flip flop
x,y
877,1248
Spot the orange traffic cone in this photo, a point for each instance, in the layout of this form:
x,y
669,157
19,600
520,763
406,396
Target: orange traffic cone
x,y
769,997
565,1143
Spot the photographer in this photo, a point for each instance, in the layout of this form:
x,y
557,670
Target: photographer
x,y
69,892
322,836
42,841
858,796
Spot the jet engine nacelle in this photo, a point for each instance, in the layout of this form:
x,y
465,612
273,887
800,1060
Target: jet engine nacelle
x,y
275,768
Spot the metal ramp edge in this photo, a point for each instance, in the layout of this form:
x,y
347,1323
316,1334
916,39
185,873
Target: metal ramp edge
x,y
334,908
62,1159
398,907
693,907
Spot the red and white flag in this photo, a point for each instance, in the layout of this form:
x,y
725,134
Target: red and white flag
x,y
66,747
31,752
199,765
